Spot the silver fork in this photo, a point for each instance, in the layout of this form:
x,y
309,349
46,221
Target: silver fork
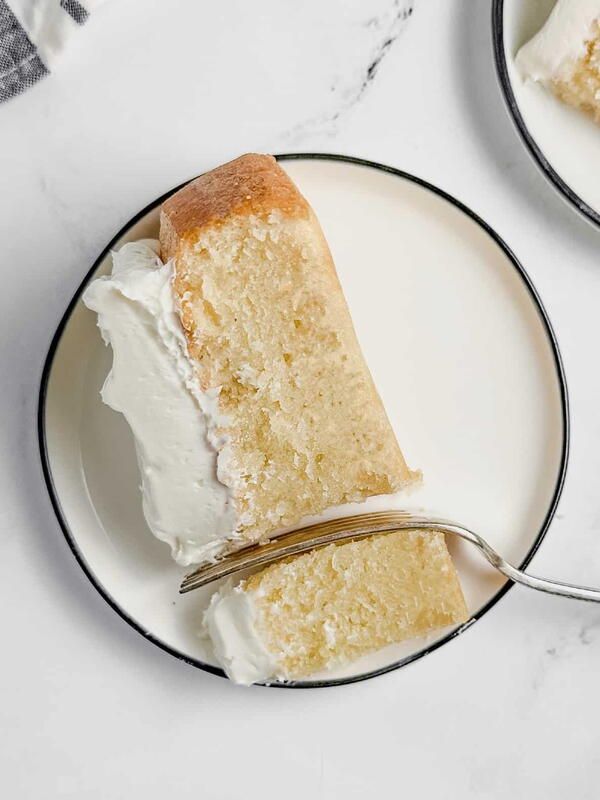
x,y
360,527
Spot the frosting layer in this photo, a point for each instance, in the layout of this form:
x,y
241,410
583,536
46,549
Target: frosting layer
x,y
178,431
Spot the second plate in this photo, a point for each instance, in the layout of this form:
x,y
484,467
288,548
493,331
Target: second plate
x,y
564,142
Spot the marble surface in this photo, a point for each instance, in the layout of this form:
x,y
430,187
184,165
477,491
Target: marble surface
x,y
144,99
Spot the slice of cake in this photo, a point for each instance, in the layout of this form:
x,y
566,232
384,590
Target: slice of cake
x,y
564,55
237,366
330,606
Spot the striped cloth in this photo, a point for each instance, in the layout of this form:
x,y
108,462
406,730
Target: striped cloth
x,y
32,35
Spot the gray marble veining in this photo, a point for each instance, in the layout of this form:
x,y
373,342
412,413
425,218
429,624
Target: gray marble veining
x,y
383,31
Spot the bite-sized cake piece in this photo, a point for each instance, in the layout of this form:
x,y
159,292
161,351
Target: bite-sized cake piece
x,y
237,366
330,606
565,55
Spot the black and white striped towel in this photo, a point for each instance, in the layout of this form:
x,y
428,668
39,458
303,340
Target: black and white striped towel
x,y
32,35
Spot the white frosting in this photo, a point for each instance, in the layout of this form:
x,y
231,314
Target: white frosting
x,y
230,622
561,40
186,492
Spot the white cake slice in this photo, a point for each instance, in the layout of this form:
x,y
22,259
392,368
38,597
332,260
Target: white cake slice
x,y
236,365
238,369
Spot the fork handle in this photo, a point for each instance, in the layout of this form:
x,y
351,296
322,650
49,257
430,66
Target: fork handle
x,y
548,586
511,572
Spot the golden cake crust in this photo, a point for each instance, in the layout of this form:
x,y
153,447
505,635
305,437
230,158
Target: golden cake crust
x,y
250,184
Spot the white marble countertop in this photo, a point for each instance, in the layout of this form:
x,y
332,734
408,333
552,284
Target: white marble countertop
x,y
150,94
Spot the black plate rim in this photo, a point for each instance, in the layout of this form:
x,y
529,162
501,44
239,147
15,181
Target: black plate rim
x,y
561,377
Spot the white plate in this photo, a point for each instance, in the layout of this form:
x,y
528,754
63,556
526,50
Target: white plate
x,y
564,142
462,353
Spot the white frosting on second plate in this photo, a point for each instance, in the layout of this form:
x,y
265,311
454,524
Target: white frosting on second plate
x,y
560,41
182,455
